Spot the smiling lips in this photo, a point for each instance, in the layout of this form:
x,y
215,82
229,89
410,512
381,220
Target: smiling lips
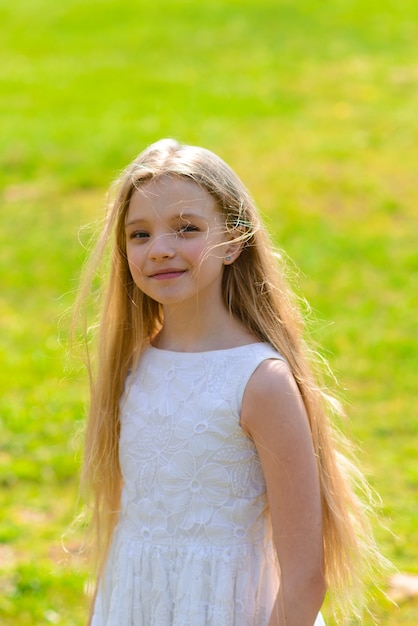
x,y
167,273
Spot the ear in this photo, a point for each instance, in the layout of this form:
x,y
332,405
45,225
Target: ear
x,y
233,249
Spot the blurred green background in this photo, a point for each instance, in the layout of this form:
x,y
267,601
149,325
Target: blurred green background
x,y
315,106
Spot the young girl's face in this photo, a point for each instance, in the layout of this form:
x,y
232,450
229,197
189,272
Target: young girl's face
x,y
176,242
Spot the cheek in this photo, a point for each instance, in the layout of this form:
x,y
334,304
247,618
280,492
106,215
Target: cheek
x,y
134,260
204,250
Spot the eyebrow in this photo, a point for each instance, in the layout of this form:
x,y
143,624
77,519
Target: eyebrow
x,y
180,216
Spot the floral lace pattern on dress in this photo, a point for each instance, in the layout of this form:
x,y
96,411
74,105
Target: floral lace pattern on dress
x,y
192,546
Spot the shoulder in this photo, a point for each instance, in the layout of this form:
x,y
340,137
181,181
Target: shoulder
x,y
269,375
272,379
271,397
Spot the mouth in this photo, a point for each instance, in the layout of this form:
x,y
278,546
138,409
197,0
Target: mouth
x,y
167,273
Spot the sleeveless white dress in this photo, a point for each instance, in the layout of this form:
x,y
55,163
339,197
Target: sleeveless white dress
x,y
191,547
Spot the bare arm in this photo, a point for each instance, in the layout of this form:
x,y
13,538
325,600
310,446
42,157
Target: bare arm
x,y
273,414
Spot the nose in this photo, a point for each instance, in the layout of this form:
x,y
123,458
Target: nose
x,y
162,247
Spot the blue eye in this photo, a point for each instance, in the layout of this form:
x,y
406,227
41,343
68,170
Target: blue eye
x,y
188,228
138,234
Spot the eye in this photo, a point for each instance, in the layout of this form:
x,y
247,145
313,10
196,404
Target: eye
x,y
188,228
139,234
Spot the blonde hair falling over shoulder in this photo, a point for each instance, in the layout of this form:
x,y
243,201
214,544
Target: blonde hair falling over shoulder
x,y
256,292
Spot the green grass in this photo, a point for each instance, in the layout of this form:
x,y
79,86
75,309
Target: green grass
x,y
315,107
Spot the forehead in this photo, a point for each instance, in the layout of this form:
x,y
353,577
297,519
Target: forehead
x,y
171,195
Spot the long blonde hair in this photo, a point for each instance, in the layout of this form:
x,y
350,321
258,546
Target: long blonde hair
x,y
256,292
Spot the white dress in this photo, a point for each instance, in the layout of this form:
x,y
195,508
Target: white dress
x,y
191,547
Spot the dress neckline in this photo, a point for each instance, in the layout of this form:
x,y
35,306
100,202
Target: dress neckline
x,y
203,352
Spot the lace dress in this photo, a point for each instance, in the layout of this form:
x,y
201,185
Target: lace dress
x,y
191,547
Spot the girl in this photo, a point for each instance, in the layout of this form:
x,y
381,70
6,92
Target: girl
x,y
218,497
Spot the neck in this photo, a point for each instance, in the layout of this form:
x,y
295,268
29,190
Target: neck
x,y
198,331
